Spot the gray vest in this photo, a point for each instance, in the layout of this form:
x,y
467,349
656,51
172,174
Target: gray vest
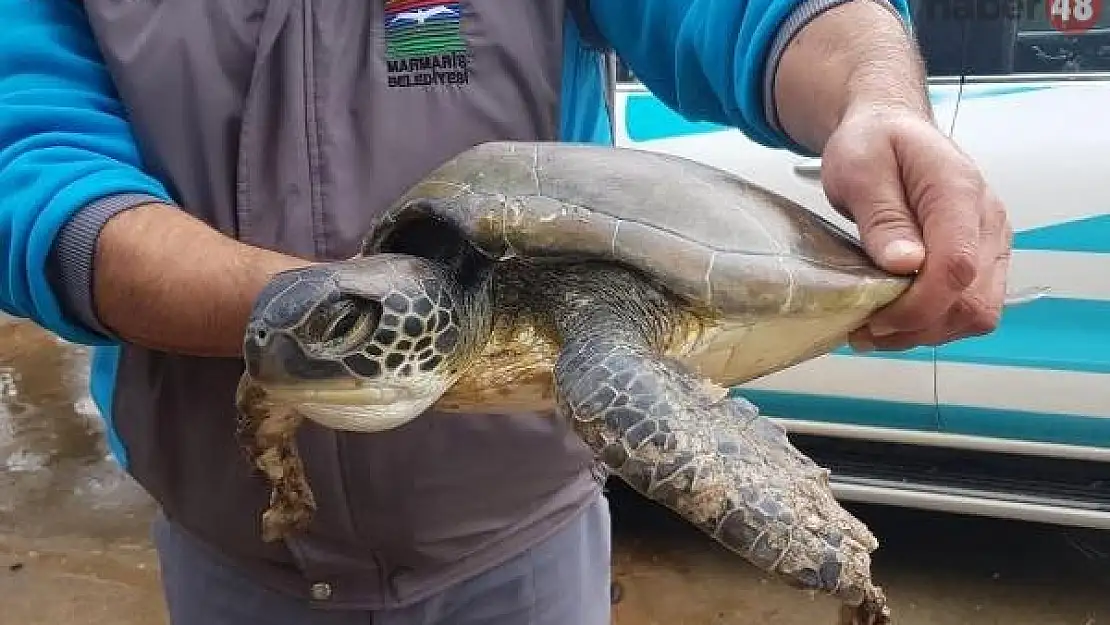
x,y
289,124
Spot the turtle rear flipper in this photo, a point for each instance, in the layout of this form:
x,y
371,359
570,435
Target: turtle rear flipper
x,y
711,458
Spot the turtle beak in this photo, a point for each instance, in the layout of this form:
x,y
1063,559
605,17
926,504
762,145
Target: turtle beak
x,y
276,358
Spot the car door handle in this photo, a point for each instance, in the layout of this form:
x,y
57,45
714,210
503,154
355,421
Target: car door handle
x,y
809,168
1026,295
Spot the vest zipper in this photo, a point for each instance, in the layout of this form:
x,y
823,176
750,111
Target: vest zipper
x,y
320,243
312,135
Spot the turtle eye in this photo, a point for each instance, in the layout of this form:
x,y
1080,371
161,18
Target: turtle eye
x,y
346,325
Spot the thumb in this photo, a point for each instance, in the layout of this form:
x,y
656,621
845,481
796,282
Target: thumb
x,y
876,202
891,237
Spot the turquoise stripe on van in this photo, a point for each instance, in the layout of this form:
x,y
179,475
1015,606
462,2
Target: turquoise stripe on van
x,y
974,91
1091,235
1051,333
1060,334
845,410
1066,429
1023,425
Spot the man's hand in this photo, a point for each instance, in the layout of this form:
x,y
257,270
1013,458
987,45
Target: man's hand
x,y
851,86
921,206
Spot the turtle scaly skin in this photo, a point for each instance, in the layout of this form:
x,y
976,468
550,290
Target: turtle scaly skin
x,y
545,276
685,443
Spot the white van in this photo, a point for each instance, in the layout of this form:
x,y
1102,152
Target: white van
x,y
1015,424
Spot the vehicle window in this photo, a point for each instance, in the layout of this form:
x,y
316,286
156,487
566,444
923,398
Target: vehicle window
x,y
940,31
1043,43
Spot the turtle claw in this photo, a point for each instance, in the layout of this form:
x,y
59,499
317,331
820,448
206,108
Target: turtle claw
x,y
873,611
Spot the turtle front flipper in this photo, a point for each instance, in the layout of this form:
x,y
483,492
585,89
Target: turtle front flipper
x,y
686,444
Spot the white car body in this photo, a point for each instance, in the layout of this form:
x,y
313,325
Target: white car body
x,y
1015,424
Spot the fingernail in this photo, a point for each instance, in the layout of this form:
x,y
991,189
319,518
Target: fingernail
x,y
902,249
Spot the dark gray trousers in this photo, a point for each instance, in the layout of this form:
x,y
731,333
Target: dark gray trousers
x,y
562,581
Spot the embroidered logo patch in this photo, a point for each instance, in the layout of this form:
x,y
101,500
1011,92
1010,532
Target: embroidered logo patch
x,y
424,45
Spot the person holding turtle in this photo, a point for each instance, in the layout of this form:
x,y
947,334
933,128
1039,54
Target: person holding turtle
x,y
162,164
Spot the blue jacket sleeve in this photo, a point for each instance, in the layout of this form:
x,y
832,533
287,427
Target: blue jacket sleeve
x,y
64,145
709,59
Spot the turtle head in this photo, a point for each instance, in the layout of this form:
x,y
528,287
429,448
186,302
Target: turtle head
x,y
365,344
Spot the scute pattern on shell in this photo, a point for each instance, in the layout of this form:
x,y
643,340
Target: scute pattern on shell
x,y
676,220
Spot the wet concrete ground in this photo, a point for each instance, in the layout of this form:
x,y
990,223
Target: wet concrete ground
x,y
74,547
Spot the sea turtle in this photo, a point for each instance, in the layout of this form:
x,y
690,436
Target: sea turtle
x,y
620,289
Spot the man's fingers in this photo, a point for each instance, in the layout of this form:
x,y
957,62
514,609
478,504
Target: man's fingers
x,y
922,208
864,179
982,310
978,312
956,325
890,235
949,203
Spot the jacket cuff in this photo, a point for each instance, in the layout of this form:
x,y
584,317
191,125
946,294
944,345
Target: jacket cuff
x,y
802,15
71,257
